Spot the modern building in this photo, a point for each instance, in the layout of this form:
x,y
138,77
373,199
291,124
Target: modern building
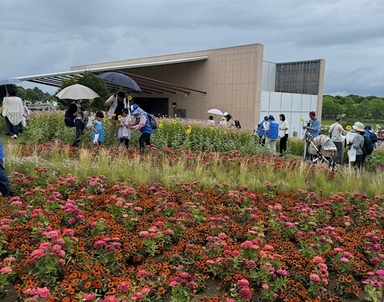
x,y
234,80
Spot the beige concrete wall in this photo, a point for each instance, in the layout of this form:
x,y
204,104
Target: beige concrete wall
x,y
232,78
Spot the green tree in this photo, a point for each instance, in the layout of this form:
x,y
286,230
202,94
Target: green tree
x,y
331,107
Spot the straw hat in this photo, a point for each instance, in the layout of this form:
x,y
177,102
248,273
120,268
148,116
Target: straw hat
x,y
359,127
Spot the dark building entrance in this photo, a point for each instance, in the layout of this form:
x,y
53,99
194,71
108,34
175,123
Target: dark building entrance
x,y
155,106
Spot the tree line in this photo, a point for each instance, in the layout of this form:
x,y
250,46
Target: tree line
x,y
353,107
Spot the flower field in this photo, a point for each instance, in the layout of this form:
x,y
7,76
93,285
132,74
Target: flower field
x,y
89,236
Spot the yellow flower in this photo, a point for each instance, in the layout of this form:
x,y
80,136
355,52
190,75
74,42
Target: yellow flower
x,y
348,127
301,120
188,131
174,122
225,132
212,128
161,125
129,98
113,114
119,117
91,100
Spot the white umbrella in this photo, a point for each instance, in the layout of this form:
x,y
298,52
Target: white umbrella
x,y
215,111
77,92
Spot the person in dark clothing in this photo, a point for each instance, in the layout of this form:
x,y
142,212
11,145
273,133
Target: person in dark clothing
x,y
75,110
4,183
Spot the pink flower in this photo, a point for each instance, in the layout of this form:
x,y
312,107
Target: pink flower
x,y
89,297
243,282
265,286
314,278
344,260
146,290
318,259
39,253
245,293
6,270
173,283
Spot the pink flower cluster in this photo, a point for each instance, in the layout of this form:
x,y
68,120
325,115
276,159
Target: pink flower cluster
x,y
110,245
37,292
321,274
73,211
245,292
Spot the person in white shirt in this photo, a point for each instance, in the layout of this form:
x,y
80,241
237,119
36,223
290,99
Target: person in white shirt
x,y
283,134
337,135
13,111
210,120
116,104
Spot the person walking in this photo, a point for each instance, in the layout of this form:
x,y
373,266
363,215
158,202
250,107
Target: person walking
x,y
313,128
116,104
272,134
13,111
337,135
143,124
283,134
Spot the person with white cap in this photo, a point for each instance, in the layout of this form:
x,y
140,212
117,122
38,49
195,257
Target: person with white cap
x,y
357,145
143,124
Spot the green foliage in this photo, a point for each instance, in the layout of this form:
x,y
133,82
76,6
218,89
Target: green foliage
x,y
353,107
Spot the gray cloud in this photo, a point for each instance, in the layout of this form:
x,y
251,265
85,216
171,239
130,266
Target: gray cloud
x,y
51,36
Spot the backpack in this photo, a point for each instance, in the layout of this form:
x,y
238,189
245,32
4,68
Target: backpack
x,y
152,121
68,120
237,124
367,146
373,137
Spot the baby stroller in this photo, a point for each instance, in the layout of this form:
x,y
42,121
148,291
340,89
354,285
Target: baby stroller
x,y
321,149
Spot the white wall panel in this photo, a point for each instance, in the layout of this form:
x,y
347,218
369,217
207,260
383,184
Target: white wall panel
x,y
296,102
307,103
286,102
265,96
275,101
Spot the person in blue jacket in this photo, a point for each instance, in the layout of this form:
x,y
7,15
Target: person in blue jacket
x,y
272,134
368,134
260,130
143,124
4,183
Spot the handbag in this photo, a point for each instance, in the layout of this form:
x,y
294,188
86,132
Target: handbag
x,y
88,124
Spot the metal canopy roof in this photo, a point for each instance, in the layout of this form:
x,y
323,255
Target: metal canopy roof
x,y
148,85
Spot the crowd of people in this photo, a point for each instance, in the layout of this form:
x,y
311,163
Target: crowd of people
x,y
269,131
122,118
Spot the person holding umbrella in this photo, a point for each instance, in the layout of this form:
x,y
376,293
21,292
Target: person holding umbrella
x,y
116,104
13,111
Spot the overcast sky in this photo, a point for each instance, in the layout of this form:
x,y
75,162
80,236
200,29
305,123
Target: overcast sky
x,y
47,36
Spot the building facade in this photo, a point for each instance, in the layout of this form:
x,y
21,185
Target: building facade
x,y
233,79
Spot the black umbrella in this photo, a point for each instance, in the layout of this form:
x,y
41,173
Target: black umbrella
x,y
119,79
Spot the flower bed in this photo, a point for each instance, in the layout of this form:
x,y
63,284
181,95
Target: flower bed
x,y
71,240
